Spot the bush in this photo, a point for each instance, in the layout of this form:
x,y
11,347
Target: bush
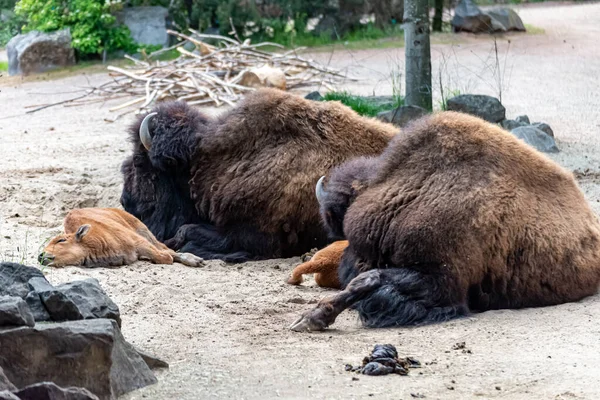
x,y
93,26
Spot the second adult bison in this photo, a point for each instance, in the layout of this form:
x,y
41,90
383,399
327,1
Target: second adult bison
x,y
241,186
456,215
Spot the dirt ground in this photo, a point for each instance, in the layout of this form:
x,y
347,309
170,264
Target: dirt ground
x,y
223,328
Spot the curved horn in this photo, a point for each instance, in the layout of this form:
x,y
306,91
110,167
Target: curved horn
x,y
145,136
319,191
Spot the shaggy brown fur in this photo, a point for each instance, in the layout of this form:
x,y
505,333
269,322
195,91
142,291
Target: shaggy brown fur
x,y
324,264
241,186
460,215
98,237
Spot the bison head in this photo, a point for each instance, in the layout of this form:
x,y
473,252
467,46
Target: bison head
x,y
156,176
344,184
67,249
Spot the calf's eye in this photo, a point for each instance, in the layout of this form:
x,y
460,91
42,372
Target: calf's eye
x,y
61,241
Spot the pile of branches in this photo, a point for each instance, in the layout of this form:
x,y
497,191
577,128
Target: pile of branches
x,y
213,74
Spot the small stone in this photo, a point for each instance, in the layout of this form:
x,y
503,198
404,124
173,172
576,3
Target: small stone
x,y
90,299
40,314
544,128
498,388
315,96
59,306
510,124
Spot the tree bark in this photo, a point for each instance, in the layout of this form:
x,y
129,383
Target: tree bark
x,y
418,54
437,17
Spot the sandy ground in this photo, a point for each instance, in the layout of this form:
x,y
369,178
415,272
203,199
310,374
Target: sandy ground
x,y
223,328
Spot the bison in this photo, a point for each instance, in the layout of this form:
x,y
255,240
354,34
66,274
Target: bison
x,y
456,215
324,264
102,237
240,186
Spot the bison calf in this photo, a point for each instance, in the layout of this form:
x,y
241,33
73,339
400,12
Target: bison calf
x,y
101,237
456,215
324,264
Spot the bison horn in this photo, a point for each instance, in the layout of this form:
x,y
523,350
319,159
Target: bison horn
x,y
320,192
145,136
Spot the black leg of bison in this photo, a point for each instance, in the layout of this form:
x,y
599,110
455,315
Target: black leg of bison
x,y
385,298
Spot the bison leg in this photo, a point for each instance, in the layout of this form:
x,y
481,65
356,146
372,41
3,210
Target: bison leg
x,y
188,259
205,241
389,297
154,255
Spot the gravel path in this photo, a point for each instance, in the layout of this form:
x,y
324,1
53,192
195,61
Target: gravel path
x,y
223,328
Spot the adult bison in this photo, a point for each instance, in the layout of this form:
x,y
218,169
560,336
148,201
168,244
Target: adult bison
x,y
456,215
241,186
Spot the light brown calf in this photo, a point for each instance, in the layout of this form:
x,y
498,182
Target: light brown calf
x,y
102,237
324,264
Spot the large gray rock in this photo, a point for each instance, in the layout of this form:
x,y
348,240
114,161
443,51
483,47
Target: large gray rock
x,y
506,19
536,138
39,52
148,25
486,107
51,391
91,354
470,18
15,312
59,305
315,96
90,299
153,362
5,384
14,279
402,115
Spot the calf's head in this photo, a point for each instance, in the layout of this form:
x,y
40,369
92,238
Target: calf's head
x,y
156,176
68,248
341,189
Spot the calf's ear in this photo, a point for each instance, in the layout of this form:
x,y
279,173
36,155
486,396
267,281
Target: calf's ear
x,y
82,231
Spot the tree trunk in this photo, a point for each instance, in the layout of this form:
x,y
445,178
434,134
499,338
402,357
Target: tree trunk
x,y
437,17
418,53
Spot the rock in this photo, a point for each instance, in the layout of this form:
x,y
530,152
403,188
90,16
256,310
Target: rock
x,y
536,138
148,25
5,384
523,119
402,115
90,299
486,107
510,124
506,18
40,314
98,357
39,52
544,127
51,391
316,96
469,18
6,395
15,312
153,362
14,279
59,306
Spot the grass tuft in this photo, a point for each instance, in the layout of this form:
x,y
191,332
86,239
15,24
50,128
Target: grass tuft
x,y
3,65
362,105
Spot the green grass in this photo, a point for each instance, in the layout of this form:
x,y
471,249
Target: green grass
x,y
534,30
361,104
3,66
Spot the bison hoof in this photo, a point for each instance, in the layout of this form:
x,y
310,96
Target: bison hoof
x,y
310,321
190,260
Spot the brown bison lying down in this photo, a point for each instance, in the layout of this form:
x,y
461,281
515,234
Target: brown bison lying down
x,y
456,215
324,264
241,186
101,237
